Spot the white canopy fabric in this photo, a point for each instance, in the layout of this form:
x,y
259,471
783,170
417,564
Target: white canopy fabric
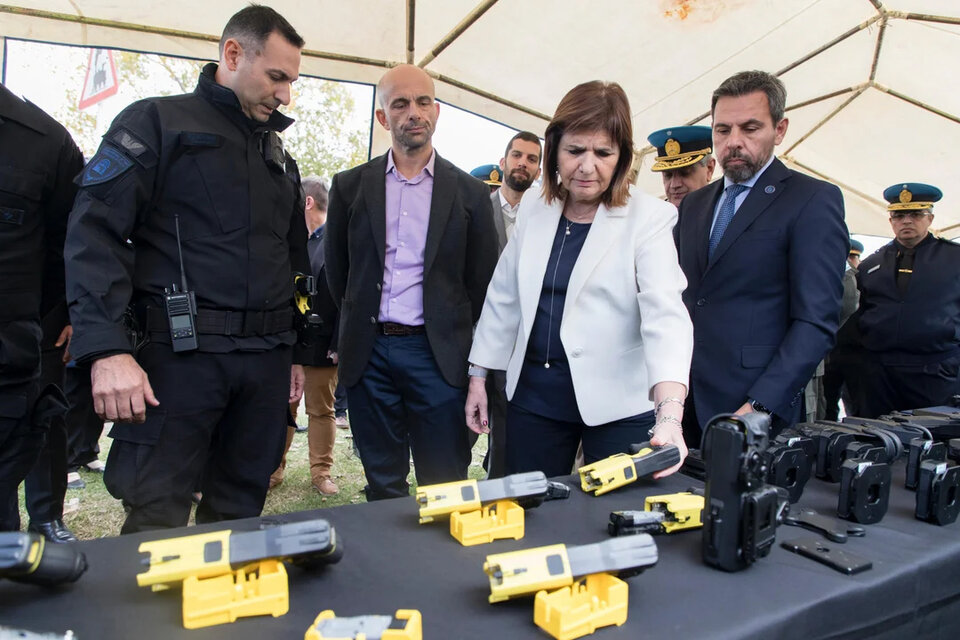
x,y
873,95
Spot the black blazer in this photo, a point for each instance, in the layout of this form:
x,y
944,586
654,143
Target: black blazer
x,y
459,258
765,307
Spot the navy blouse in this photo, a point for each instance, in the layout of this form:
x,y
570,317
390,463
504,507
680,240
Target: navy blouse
x,y
548,390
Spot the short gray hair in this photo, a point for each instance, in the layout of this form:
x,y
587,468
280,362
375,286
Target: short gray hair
x,y
747,82
316,188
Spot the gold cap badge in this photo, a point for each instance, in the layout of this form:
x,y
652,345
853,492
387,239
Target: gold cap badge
x,y
672,148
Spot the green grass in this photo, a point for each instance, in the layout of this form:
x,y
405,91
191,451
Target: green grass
x,y
98,514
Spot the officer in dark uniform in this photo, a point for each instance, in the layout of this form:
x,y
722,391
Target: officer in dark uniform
x,y
194,193
843,364
38,161
909,316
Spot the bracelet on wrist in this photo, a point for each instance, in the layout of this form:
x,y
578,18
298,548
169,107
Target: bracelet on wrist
x,y
666,401
665,420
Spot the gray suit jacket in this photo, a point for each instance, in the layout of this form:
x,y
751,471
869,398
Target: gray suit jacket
x,y
498,220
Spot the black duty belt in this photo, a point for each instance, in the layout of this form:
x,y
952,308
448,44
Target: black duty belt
x,y
394,329
242,324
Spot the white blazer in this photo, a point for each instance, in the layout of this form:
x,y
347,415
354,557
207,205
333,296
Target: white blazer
x,y
624,326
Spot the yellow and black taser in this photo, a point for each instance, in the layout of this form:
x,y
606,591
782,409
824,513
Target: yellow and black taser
x,y
620,469
523,573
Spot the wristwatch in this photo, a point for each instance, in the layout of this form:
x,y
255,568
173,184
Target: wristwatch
x,y
758,406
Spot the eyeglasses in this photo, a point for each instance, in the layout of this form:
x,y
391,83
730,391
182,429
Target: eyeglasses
x,y
913,215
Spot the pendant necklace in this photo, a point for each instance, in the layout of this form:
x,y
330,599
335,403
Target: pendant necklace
x,y
553,286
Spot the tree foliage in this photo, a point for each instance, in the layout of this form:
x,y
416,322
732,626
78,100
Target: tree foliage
x,y
321,140
327,137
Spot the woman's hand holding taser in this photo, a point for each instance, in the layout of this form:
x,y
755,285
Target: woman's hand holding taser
x,y
669,398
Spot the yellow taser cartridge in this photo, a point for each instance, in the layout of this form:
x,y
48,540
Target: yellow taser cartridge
x,y
527,489
171,561
443,499
619,469
520,573
525,572
681,510
607,474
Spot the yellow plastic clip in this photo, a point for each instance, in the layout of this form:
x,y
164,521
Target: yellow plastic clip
x,y
255,590
580,609
328,627
681,510
497,521
443,499
608,474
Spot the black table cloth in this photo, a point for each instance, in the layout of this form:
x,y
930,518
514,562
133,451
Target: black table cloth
x,y
391,562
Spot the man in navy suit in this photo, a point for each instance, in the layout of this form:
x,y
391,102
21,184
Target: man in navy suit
x,y
763,252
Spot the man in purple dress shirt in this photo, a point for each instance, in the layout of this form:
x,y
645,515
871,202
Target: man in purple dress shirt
x,y
410,247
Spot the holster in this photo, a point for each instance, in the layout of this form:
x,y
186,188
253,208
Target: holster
x,y
50,404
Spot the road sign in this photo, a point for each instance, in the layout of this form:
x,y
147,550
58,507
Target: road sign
x,y
101,79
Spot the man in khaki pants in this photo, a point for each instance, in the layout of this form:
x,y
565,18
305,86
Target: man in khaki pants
x,y
319,356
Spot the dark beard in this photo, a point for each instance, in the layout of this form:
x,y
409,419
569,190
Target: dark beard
x,y
744,172
517,183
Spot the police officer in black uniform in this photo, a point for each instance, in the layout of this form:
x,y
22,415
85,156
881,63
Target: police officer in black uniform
x,y
909,316
200,180
38,160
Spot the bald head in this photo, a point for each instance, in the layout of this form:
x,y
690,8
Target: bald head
x,y
408,109
402,74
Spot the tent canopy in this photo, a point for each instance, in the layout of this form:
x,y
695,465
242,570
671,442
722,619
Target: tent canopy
x,y
870,100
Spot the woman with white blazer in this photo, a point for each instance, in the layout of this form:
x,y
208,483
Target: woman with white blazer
x,y
584,310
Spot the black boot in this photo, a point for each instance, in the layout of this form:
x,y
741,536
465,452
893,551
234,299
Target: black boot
x,y
54,531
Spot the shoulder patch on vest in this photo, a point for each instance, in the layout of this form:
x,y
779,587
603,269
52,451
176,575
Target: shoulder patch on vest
x,y
108,164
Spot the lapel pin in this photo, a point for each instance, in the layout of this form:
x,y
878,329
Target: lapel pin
x,y
769,188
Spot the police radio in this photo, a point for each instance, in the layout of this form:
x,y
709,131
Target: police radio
x,y
181,306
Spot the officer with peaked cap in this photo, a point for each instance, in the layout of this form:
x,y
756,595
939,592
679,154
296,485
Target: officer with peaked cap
x,y
684,160
490,174
909,316
856,251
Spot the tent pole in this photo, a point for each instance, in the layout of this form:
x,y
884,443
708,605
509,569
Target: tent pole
x,y
846,187
173,33
489,96
464,24
915,102
411,23
860,27
923,17
826,96
876,51
827,118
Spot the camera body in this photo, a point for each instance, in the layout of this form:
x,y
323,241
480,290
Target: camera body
x,y
790,460
864,490
741,511
938,492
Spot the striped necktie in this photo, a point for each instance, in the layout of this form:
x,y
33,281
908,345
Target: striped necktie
x,y
725,215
